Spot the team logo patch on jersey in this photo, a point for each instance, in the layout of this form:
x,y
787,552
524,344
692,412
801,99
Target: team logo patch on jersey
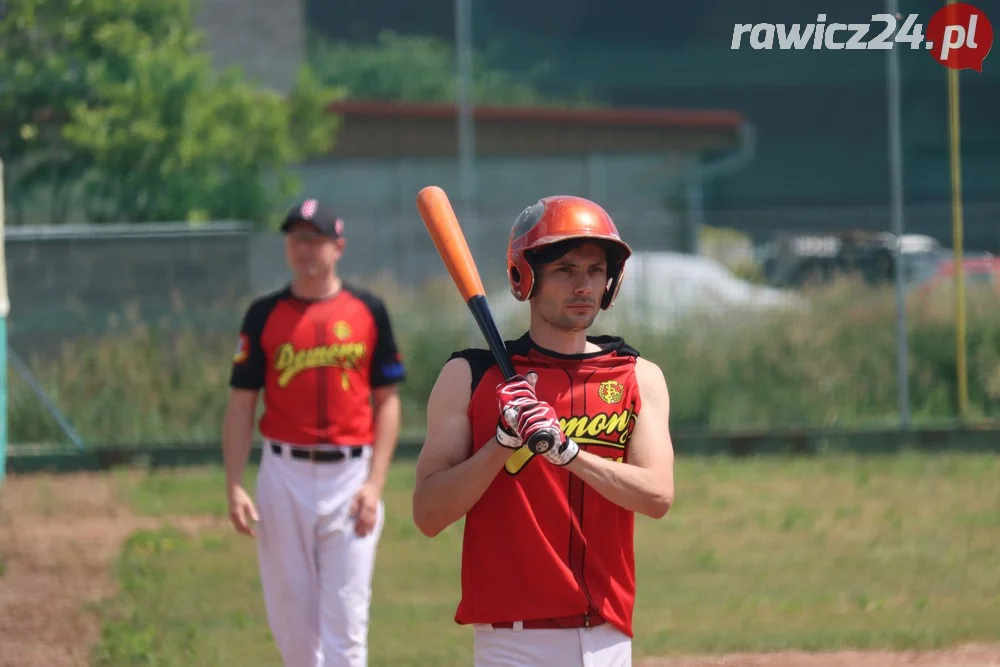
x,y
242,350
611,391
341,330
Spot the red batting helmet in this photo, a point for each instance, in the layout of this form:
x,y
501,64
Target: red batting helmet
x,y
562,218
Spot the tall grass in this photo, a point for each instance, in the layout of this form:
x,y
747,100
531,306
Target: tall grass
x,y
830,363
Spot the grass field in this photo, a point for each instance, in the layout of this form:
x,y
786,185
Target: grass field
x,y
757,554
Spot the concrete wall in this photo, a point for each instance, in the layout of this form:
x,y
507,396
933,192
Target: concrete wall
x,y
504,185
265,38
385,233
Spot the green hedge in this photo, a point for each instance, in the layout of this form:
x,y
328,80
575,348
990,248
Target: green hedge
x,y
830,363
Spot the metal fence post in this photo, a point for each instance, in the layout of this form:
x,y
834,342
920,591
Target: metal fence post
x,y
4,312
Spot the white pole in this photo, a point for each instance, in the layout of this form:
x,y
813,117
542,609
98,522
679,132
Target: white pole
x,y
466,134
896,177
4,312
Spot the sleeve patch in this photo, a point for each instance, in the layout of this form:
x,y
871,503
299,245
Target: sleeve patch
x,y
242,351
393,370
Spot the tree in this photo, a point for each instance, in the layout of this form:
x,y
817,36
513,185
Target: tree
x,y
117,97
416,68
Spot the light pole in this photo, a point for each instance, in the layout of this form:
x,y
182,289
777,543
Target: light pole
x,y
896,182
466,131
957,231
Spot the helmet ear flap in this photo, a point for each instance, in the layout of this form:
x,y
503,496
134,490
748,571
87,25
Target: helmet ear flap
x,y
611,293
522,278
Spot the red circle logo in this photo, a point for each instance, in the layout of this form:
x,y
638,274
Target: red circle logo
x,y
959,36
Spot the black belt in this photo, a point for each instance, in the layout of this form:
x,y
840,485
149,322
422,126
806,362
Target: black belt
x,y
319,455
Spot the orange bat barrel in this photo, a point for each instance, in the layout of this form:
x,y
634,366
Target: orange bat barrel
x,y
442,224
439,218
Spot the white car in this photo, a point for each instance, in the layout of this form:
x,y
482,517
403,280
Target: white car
x,y
661,288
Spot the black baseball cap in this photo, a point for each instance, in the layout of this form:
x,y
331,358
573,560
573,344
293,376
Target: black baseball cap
x,y
314,213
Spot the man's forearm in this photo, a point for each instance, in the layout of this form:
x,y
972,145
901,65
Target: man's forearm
x,y
387,417
237,438
447,495
629,486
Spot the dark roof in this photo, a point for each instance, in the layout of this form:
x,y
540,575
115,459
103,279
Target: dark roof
x,y
689,118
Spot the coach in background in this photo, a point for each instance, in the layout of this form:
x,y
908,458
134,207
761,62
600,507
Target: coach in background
x,y
323,353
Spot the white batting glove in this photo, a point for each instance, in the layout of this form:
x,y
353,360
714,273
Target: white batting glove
x,y
563,454
506,436
539,419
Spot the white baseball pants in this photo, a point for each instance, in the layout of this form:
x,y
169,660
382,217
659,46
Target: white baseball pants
x,y
315,572
601,646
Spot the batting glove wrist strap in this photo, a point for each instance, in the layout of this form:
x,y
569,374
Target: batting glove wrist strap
x,y
563,454
507,437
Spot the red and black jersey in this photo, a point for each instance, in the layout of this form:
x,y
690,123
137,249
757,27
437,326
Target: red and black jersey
x,y
317,362
540,543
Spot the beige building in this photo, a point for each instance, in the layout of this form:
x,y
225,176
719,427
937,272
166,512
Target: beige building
x,y
646,166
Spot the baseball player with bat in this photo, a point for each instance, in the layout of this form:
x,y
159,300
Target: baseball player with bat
x,y
548,445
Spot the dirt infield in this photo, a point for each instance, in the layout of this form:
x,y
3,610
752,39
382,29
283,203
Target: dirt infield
x,y
59,536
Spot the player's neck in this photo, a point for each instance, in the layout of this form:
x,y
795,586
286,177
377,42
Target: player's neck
x,y
557,340
316,289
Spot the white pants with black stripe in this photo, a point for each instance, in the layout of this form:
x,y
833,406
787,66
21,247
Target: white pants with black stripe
x,y
316,573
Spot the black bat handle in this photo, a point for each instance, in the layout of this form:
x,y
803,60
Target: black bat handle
x,y
484,318
541,442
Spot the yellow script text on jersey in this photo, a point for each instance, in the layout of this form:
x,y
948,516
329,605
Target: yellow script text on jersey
x,y
289,362
584,430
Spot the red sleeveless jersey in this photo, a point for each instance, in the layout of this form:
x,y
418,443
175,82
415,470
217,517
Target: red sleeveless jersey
x,y
540,543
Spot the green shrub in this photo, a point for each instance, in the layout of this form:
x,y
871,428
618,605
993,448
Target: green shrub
x,y
831,363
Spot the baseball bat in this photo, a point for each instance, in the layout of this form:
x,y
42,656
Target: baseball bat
x,y
442,225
